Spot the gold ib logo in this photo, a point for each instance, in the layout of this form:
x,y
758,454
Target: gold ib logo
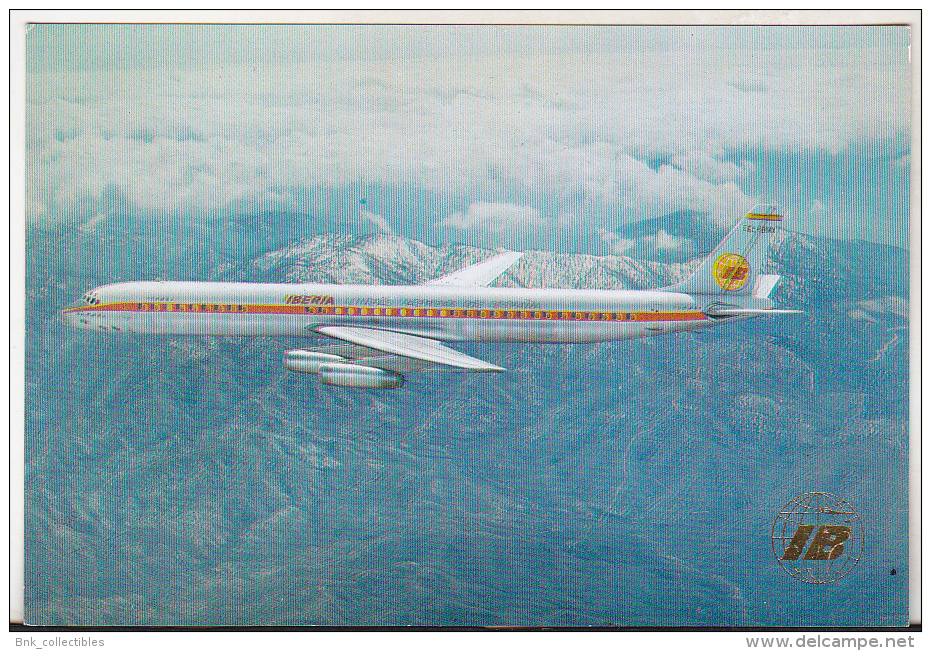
x,y
817,538
730,271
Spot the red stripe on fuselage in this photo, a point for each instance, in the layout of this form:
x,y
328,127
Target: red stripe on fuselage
x,y
402,312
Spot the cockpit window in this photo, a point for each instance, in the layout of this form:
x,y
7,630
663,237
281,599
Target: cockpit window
x,y
90,299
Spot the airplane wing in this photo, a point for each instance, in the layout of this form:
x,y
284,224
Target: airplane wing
x,y
405,345
479,274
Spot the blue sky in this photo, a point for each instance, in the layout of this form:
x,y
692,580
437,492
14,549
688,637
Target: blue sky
x,y
542,137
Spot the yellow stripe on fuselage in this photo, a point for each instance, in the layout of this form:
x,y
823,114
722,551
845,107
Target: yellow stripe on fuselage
x,y
370,311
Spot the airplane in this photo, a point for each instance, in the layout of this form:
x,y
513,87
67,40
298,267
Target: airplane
x,y
378,333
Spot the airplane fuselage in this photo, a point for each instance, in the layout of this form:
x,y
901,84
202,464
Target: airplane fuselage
x,y
443,313
377,333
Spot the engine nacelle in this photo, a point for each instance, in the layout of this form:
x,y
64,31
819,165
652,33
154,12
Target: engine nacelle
x,y
360,377
308,361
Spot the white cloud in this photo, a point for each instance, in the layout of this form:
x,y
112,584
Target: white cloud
x,y
703,166
616,244
664,240
651,245
496,218
498,224
467,126
374,222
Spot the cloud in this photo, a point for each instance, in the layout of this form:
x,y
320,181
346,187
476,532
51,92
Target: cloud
x,y
496,218
661,246
499,224
705,167
751,83
665,241
620,135
616,244
374,222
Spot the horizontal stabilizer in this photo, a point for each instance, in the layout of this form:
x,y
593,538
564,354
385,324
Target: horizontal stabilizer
x,y
399,343
765,283
739,311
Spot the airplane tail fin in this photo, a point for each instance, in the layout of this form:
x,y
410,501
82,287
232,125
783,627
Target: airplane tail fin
x,y
733,268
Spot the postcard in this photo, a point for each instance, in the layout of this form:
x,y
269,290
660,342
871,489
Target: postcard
x,y
387,325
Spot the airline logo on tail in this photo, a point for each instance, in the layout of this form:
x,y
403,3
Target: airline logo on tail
x,y
735,264
730,271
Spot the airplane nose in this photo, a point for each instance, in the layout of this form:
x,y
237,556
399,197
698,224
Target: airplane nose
x,y
68,316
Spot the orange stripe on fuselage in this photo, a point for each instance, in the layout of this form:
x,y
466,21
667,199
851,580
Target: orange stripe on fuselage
x,y
404,312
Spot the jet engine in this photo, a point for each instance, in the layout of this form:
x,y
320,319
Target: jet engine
x,y
336,370
308,361
360,377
